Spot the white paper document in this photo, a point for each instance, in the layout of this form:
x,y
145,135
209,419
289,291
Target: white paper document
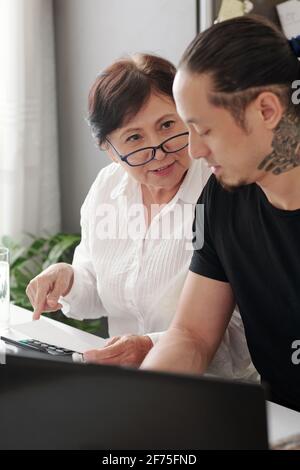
x,y
58,334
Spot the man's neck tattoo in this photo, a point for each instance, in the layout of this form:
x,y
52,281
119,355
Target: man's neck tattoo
x,y
286,146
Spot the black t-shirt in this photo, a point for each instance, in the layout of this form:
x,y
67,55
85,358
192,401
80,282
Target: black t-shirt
x,y
256,248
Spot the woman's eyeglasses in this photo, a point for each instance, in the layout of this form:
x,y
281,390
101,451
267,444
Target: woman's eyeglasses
x,y
145,155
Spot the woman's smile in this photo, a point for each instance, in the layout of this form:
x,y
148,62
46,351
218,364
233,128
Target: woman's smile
x,y
164,170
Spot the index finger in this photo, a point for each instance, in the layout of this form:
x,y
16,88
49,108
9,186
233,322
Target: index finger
x,y
40,300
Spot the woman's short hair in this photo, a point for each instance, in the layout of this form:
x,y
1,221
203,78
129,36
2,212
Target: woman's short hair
x,y
121,90
243,56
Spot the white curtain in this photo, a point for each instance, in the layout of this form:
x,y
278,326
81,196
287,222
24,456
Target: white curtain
x,y
29,183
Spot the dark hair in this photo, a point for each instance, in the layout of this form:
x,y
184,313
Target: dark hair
x,y
243,56
121,90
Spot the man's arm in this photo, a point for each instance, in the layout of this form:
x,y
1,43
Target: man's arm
x,y
203,313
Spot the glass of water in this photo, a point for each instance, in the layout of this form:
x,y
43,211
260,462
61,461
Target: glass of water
x,y
4,288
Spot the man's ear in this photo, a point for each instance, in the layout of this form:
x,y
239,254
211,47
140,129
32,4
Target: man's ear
x,y
270,108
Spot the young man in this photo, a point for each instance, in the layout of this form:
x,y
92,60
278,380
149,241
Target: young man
x,y
234,91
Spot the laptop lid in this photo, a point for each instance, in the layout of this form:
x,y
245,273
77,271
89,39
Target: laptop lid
x,y
47,404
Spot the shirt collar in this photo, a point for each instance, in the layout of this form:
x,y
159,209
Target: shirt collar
x,y
193,182
121,187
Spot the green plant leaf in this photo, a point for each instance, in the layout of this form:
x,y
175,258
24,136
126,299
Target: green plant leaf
x,y
59,249
8,242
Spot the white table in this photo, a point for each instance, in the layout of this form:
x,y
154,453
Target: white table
x,y
282,422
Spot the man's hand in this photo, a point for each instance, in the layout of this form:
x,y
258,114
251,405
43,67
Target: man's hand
x,y
128,350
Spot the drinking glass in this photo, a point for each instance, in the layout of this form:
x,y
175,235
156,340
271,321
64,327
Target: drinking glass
x,y
4,288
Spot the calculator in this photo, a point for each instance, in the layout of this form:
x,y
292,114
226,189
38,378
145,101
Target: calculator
x,y
38,346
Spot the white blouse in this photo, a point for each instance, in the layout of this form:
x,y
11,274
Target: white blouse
x,y
133,274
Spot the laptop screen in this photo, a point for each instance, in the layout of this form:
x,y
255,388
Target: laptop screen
x,y
48,404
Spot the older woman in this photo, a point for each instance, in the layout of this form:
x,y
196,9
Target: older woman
x,y
136,221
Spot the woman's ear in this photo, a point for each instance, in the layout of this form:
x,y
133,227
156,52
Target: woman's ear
x,y
105,147
112,156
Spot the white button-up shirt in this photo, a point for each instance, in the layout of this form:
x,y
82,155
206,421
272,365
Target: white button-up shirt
x,y
133,274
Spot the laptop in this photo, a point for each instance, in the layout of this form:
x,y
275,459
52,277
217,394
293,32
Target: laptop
x,y
51,404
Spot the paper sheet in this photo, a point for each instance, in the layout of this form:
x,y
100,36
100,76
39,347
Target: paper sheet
x,y
59,335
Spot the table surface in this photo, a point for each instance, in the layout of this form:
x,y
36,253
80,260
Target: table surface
x,y
282,422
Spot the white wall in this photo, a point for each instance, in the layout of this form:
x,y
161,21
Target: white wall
x,y
90,34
